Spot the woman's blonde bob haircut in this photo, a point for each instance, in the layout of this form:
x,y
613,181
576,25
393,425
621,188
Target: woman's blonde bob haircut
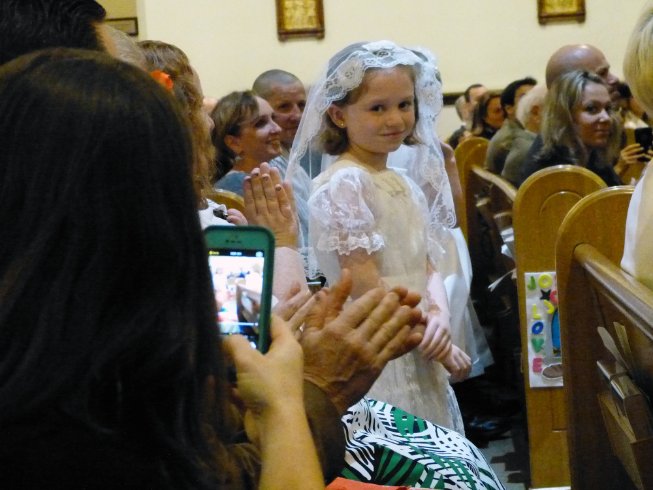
x,y
638,61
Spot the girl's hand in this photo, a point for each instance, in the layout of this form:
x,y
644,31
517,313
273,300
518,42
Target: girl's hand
x,y
458,363
271,385
437,337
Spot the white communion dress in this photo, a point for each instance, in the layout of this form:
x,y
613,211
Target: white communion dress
x,y
383,212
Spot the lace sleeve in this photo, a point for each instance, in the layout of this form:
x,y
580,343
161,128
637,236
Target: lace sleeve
x,y
438,237
343,214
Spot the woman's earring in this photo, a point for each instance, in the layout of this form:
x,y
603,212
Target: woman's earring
x,y
341,124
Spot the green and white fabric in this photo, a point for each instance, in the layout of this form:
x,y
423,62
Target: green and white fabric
x,y
388,446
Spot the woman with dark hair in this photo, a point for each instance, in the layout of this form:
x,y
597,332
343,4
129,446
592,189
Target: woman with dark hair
x,y
28,25
579,127
111,371
488,115
244,135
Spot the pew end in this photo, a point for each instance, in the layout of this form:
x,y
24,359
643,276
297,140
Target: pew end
x,y
594,291
469,152
541,204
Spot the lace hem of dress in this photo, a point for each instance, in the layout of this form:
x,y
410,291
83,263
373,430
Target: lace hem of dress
x,y
345,243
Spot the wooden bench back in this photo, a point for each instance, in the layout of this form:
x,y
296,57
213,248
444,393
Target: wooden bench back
x,y
541,204
470,152
488,208
593,291
492,200
228,198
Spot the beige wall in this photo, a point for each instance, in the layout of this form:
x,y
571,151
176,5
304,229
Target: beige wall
x,y
491,41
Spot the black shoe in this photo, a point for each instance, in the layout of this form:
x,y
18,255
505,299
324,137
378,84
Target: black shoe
x,y
480,392
486,427
500,405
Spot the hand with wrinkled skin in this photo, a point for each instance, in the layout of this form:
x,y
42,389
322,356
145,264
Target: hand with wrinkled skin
x,y
295,307
347,346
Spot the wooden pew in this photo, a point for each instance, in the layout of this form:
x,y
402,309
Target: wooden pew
x,y
486,211
593,291
470,152
490,217
491,199
478,183
541,204
474,148
228,198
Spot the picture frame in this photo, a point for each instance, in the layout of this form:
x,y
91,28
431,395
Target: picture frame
x,y
128,25
300,18
560,10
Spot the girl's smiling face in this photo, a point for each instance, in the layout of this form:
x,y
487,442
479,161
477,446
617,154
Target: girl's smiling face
x,y
381,117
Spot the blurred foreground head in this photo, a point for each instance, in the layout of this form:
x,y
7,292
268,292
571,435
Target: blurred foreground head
x,y
106,309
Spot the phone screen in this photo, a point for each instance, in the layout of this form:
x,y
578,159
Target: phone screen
x,y
238,278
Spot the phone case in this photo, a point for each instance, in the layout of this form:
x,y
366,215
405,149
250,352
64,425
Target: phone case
x,y
248,294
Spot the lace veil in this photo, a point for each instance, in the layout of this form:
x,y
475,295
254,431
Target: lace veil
x,y
423,162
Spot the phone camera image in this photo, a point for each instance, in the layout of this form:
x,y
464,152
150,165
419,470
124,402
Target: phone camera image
x,y
238,278
241,261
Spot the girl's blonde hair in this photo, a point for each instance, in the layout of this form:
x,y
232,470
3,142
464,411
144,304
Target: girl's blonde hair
x,y
638,61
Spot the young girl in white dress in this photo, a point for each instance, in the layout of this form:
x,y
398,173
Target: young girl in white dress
x,y
376,220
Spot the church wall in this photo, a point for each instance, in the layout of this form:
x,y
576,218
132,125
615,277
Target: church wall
x,y
490,41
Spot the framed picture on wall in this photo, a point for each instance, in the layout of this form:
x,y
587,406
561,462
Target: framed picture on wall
x,y
128,25
300,18
560,10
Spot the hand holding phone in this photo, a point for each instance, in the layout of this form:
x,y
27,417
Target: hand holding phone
x,y
271,388
241,261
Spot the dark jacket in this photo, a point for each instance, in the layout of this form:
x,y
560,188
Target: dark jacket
x,y
536,160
